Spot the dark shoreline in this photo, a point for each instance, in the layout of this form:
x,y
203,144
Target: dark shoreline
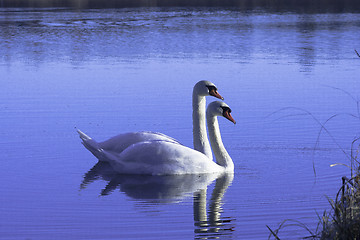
x,y
306,5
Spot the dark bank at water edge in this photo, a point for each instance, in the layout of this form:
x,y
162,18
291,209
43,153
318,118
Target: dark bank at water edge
x,y
276,5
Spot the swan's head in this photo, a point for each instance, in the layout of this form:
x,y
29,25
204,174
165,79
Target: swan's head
x,y
207,88
219,108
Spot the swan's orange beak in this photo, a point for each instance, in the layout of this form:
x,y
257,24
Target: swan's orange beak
x,y
228,116
214,93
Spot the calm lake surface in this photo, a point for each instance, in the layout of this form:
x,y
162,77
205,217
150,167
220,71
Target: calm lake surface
x,y
113,71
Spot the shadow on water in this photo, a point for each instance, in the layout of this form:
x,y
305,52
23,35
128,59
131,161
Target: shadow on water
x,y
172,189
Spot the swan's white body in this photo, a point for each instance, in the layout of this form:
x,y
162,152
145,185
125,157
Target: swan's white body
x,y
121,142
163,157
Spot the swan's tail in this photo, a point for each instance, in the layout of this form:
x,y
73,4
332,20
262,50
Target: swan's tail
x,y
82,135
95,149
90,144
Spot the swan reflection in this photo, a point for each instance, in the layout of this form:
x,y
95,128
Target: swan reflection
x,y
212,226
146,187
170,189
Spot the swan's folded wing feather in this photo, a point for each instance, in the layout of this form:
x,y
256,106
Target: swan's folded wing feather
x,y
121,142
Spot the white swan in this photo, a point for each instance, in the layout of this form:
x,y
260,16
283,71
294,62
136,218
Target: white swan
x,y
120,142
162,157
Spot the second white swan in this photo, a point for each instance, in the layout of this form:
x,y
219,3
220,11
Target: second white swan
x,y
162,157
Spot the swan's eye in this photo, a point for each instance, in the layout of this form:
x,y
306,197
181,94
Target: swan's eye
x,y
212,88
226,109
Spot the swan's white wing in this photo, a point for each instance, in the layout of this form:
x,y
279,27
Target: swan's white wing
x,y
120,142
115,145
161,158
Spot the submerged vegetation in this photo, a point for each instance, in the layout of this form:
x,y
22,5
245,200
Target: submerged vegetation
x,y
343,219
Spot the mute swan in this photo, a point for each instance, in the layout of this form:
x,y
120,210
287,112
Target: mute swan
x,y
120,142
162,157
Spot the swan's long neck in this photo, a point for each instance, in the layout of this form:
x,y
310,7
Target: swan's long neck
x,y
221,155
200,139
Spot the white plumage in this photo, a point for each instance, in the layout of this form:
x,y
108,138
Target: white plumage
x,y
158,154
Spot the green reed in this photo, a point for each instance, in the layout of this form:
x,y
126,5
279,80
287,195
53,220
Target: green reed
x,y
343,221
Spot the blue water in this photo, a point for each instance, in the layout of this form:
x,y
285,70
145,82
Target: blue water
x,y
112,71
